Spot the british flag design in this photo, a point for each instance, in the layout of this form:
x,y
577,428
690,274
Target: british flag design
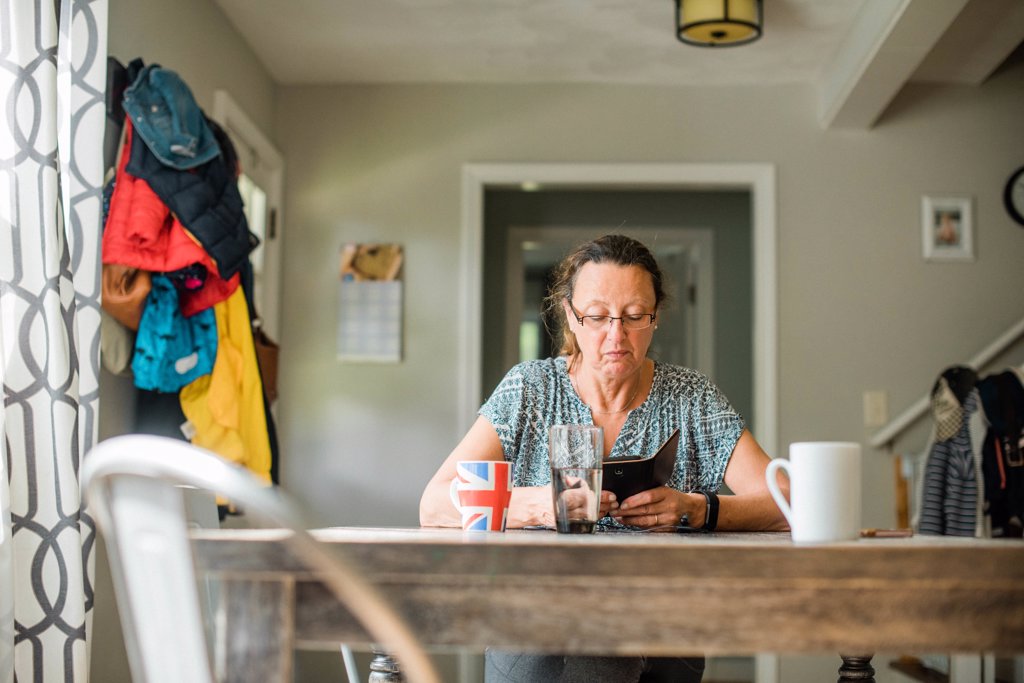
x,y
484,490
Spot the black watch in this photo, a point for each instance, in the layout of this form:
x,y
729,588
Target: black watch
x,y
711,515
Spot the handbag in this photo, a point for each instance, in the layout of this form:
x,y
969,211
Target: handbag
x,y
267,352
124,292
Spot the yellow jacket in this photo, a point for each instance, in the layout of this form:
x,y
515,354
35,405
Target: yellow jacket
x,y
225,407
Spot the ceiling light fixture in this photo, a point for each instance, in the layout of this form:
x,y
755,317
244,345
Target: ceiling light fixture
x,y
719,23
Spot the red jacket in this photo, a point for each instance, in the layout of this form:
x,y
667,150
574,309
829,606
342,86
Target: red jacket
x,y
141,232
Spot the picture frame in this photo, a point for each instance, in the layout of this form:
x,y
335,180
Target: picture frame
x,y
947,228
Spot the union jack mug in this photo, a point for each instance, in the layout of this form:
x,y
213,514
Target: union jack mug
x,y
481,491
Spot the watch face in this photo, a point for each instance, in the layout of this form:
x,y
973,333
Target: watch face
x,y
1013,196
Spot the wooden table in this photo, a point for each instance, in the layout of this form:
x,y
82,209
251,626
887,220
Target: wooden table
x,y
608,593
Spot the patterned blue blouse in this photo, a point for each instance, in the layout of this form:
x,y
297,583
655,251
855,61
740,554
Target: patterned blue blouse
x,y
537,394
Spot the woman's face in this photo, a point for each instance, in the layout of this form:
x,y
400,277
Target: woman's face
x,y
607,289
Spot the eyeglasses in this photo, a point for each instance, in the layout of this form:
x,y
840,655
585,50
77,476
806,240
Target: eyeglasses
x,y
631,321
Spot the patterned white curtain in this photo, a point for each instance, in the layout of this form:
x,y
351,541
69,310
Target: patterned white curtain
x,y
52,81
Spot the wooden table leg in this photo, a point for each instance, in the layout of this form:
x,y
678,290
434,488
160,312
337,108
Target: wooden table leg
x,y
383,667
255,634
857,668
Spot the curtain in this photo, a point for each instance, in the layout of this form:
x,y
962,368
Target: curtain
x,y
52,81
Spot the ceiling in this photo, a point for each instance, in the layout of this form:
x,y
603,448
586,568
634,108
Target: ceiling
x,y
857,53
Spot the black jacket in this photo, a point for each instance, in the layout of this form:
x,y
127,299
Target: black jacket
x,y
206,201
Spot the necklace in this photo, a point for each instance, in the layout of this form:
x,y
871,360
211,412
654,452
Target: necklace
x,y
632,398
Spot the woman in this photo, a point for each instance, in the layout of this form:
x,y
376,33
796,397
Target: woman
x,y
606,297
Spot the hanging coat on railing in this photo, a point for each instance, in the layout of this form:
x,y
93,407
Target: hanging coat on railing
x,y
1002,397
950,495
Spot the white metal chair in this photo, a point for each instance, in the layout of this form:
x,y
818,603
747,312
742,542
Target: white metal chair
x,y
133,486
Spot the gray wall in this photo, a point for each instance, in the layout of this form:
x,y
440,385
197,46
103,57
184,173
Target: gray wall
x,y
195,39
859,309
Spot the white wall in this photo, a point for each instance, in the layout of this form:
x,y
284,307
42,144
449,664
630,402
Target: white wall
x,y
859,308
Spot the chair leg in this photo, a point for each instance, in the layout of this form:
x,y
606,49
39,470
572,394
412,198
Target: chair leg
x,y
351,670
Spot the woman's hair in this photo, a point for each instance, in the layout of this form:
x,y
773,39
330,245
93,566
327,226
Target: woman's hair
x,y
618,250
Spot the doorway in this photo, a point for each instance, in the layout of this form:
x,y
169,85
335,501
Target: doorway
x,y
756,179
261,186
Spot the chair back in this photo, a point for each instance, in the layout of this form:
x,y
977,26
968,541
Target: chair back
x,y
133,488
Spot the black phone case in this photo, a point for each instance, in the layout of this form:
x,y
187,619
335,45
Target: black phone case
x,y
630,475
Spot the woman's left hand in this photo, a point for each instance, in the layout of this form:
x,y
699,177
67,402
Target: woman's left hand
x,y
658,507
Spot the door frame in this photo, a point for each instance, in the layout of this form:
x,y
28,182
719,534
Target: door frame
x,y
757,178
261,161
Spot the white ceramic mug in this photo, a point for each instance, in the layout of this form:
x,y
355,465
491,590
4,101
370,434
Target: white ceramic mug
x,y
824,489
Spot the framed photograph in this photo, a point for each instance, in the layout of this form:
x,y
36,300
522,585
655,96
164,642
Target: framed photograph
x,y
947,228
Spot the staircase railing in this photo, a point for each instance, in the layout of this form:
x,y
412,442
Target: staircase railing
x,y
915,412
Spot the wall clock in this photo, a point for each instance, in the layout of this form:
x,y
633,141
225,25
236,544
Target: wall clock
x,y
1013,195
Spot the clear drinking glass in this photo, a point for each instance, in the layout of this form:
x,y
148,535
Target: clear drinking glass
x,y
576,452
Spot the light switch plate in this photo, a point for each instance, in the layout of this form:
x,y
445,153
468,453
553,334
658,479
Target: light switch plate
x,y
876,408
